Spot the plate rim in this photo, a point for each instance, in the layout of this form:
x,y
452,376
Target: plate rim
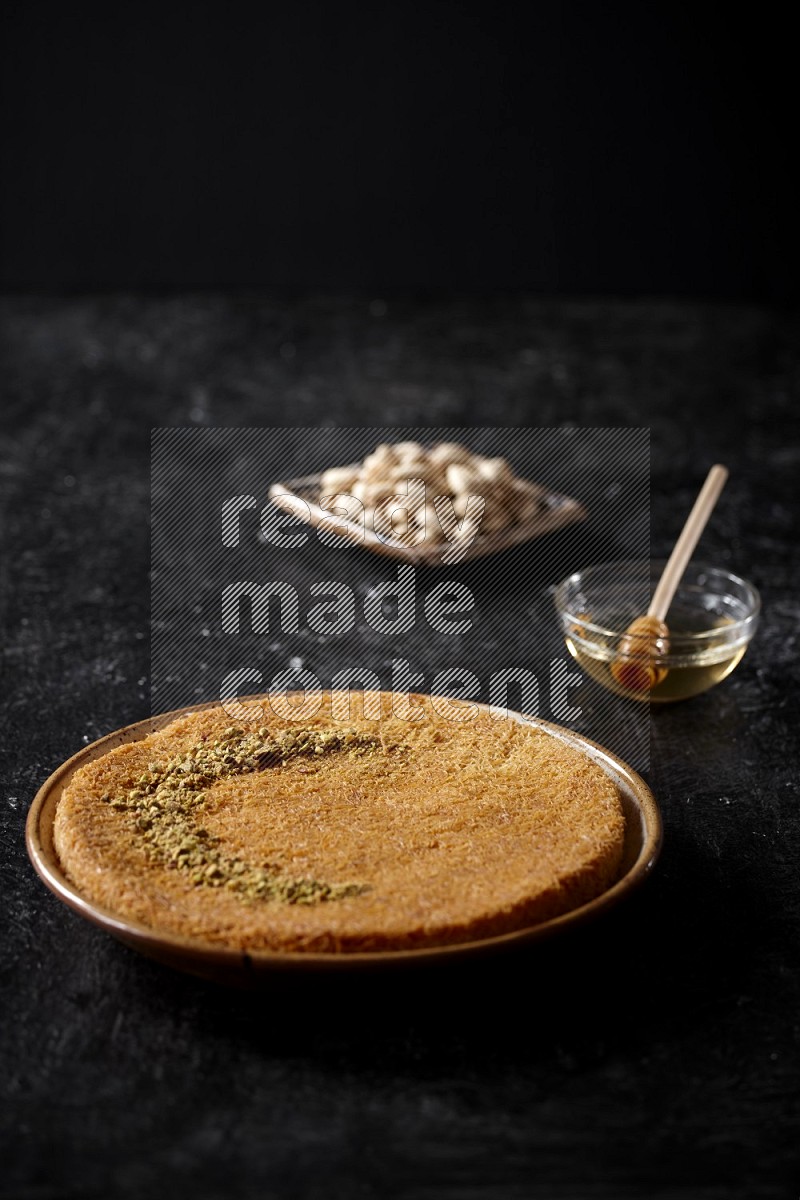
x,y
198,956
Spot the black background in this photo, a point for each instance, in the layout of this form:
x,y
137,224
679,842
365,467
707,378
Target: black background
x,y
617,148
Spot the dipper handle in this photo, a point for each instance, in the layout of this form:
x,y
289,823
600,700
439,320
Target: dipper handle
x,y
689,537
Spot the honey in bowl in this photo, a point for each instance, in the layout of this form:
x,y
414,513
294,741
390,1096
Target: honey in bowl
x,y
711,620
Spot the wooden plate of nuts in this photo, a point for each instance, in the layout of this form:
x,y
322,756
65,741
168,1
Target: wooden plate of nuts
x,y
432,506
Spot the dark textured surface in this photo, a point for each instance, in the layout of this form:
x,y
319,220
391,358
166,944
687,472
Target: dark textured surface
x,y
654,1055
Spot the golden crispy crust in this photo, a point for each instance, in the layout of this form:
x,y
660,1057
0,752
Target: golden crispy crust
x,y
456,830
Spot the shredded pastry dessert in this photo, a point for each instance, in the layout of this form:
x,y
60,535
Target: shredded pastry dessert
x,y
366,831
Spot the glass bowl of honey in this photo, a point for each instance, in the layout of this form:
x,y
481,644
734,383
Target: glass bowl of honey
x,y
711,620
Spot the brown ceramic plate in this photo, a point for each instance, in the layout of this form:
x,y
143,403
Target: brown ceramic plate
x,y
557,511
642,846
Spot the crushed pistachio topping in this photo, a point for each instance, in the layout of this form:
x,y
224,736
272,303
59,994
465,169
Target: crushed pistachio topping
x,y
165,805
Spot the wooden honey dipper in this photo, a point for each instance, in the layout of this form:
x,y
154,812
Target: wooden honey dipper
x,y
647,638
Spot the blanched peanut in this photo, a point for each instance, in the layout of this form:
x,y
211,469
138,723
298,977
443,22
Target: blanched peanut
x,y
373,472
371,494
376,465
384,453
405,450
413,469
400,521
338,479
460,478
493,469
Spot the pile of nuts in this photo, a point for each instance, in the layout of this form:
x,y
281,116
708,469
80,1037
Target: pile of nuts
x,y
482,494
